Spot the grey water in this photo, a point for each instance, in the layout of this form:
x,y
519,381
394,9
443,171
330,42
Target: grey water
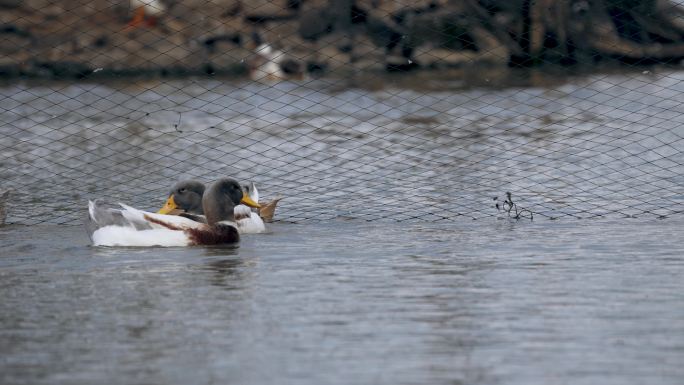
x,y
471,302
376,271
427,147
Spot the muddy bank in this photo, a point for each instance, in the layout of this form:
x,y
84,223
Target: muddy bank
x,y
79,38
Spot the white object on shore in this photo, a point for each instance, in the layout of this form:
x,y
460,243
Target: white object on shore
x,y
151,7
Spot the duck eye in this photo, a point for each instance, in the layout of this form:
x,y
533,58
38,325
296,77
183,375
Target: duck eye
x,y
181,191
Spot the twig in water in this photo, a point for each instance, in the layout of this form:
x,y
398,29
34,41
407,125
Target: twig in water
x,y
512,209
180,116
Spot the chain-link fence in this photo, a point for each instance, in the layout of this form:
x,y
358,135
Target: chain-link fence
x,y
370,110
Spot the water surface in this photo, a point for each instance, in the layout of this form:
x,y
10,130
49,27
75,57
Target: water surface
x,y
376,272
433,149
471,302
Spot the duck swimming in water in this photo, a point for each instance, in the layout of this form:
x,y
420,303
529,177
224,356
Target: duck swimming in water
x,y
185,198
132,227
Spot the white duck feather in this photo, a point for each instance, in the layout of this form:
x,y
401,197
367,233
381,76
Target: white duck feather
x,y
132,227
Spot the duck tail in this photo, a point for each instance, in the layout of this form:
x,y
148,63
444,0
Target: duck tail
x,y
91,211
91,220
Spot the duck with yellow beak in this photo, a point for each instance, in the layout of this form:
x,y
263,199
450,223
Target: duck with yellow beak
x,y
185,199
127,226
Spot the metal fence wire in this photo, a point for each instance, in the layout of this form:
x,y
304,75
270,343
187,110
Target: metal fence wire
x,y
361,110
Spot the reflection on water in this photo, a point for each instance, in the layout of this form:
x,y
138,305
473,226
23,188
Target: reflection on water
x,y
380,149
226,273
474,302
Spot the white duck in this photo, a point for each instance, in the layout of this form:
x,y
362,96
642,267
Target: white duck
x,y
131,227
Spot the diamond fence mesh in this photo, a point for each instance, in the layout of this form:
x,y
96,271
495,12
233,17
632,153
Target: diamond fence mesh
x,y
365,110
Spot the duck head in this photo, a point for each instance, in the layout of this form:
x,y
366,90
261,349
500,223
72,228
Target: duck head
x,y
220,199
251,190
185,196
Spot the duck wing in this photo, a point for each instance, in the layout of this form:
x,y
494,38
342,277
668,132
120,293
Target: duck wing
x,y
194,217
158,221
248,222
100,216
131,227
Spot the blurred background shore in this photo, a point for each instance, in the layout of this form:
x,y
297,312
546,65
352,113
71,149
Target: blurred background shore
x,y
83,38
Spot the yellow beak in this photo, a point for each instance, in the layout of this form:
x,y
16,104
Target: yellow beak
x,y
168,207
249,202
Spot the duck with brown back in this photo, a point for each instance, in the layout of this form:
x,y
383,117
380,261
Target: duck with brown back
x,y
139,228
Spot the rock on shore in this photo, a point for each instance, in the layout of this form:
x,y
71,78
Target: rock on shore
x,y
79,38
47,38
